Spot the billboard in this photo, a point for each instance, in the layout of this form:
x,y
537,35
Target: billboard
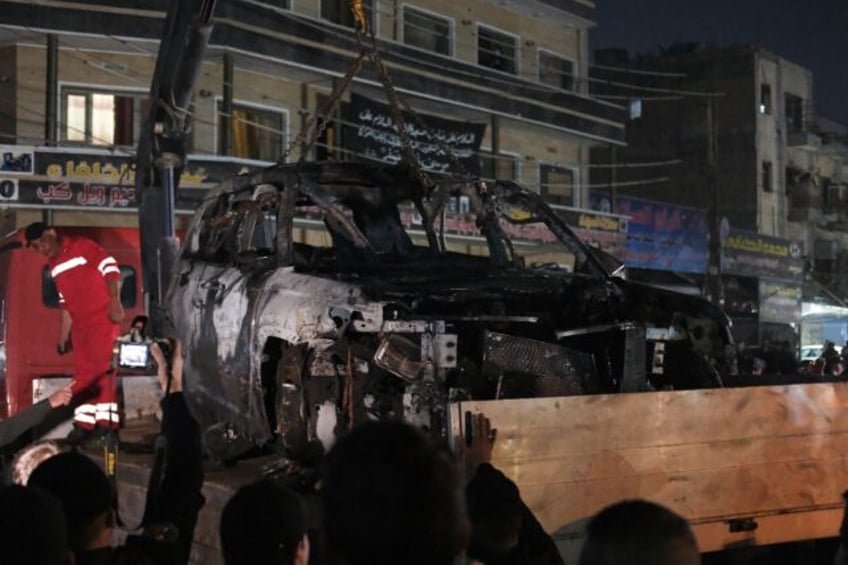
x,y
660,236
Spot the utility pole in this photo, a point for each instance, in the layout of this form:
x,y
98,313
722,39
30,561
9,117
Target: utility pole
x,y
714,286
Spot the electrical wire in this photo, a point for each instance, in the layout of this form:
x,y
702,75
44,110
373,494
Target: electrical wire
x,y
87,58
507,43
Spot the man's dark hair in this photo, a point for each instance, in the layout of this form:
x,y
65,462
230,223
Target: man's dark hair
x,y
34,231
263,523
32,527
390,496
82,488
637,532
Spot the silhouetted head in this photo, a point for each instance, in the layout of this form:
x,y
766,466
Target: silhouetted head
x,y
32,528
638,532
390,496
264,523
84,491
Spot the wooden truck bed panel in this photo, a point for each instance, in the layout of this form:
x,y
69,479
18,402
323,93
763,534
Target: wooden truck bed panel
x,y
778,455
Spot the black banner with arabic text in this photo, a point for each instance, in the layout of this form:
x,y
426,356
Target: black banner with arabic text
x,y
370,132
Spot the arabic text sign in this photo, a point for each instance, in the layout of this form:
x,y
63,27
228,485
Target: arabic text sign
x,y
780,301
661,236
58,177
757,255
371,132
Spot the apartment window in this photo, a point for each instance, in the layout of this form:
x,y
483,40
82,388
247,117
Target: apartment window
x,y
256,133
556,71
767,177
765,98
427,31
497,50
794,113
558,185
338,12
498,167
102,118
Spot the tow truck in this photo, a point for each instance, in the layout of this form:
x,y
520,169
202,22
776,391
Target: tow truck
x,y
289,344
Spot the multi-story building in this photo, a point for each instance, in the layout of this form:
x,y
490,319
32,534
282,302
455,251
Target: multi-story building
x,y
733,134
76,76
755,103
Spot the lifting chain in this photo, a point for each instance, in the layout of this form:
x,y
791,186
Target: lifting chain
x,y
329,109
305,140
396,101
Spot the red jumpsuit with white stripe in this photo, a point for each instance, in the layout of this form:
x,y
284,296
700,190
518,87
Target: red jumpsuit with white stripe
x,y
80,271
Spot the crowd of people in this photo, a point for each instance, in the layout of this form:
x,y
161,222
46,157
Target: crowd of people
x,y
386,494
779,361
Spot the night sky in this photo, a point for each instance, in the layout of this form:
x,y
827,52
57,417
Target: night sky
x,y
812,33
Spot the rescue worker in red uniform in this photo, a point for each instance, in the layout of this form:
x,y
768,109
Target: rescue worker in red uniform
x,y
89,285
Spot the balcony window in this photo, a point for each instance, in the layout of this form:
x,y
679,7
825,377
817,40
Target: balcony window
x,y
558,185
102,118
497,50
767,177
338,12
794,113
765,98
427,31
556,71
256,133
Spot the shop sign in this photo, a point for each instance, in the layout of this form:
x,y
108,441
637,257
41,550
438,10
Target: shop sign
x,y
84,178
780,301
756,255
660,236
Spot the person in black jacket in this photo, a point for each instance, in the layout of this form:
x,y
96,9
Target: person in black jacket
x,y
86,495
14,427
504,530
389,496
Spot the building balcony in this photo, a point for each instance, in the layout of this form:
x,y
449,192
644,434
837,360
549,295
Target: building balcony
x,y
804,140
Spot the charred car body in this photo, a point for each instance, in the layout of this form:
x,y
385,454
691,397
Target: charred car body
x,y
315,296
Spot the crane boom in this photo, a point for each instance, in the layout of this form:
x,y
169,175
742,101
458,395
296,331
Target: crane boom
x,y
161,147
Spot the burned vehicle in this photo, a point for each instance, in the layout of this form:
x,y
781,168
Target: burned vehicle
x,y
315,296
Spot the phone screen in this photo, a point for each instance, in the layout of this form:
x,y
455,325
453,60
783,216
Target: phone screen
x,y
133,355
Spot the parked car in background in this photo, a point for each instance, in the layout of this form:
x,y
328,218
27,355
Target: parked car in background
x,y
809,353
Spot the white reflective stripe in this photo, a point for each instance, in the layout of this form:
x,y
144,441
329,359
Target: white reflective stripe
x,y
107,406
85,409
67,265
110,416
111,270
107,262
85,414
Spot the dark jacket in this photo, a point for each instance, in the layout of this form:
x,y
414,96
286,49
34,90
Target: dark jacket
x,y
535,546
12,428
179,501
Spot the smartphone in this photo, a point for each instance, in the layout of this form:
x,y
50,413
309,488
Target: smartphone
x,y
133,355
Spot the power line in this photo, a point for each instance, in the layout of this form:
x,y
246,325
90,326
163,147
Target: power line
x,y
638,71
